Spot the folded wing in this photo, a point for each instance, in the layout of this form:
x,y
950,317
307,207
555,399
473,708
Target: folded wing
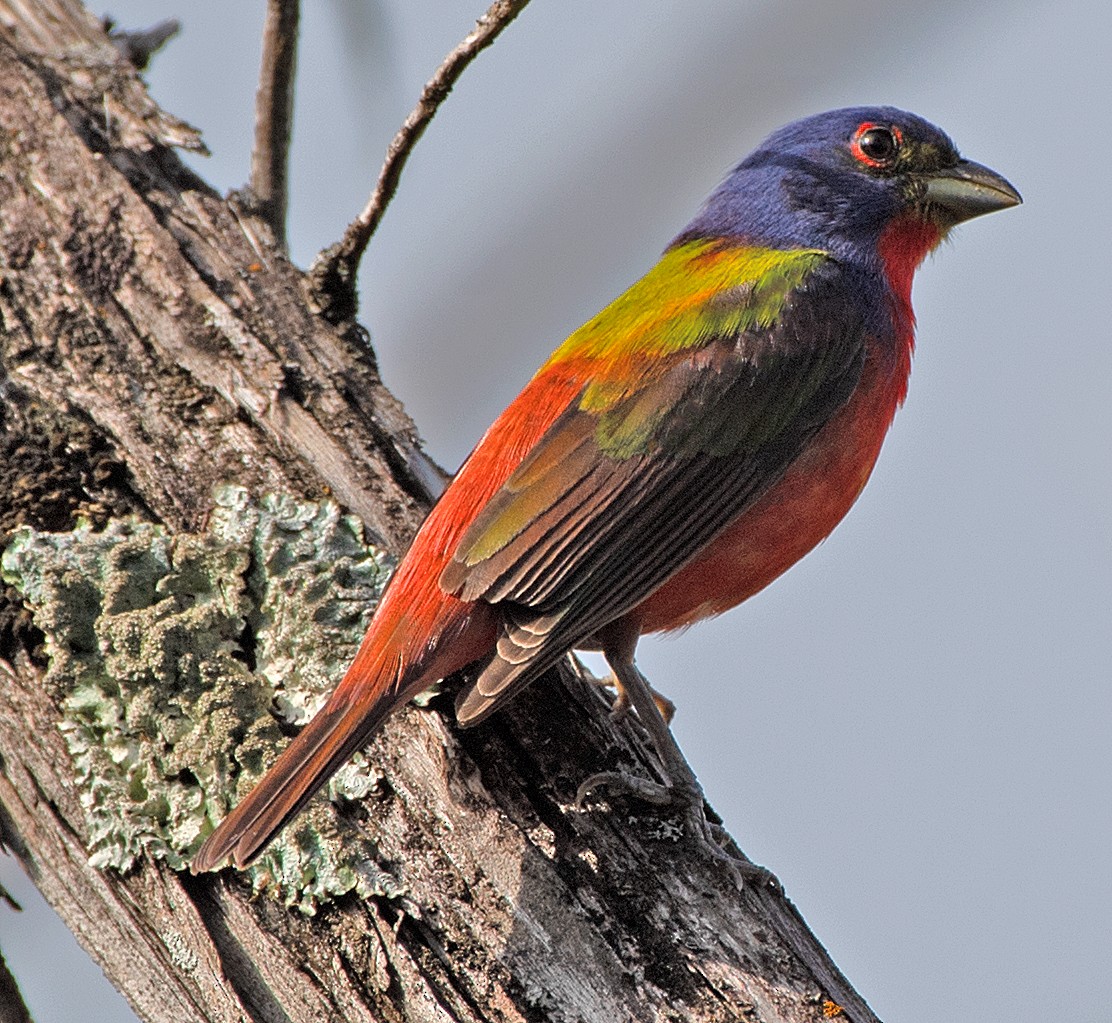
x,y
637,476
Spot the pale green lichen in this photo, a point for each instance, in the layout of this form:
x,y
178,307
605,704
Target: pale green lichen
x,y
168,655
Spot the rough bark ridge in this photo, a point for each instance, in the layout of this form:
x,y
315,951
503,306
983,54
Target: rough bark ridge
x,y
155,343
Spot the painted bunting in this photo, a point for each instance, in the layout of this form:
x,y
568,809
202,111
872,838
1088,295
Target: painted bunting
x,y
675,454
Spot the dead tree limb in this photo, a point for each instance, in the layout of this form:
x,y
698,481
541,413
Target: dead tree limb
x,y
274,115
334,273
154,347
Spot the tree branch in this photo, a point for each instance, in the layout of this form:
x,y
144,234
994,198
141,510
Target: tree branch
x,y
333,273
274,115
148,355
12,1007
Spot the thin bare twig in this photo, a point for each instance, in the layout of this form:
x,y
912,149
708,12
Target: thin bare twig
x,y
274,114
333,272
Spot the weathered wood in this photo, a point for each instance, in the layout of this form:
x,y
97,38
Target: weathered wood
x,y
127,276
154,343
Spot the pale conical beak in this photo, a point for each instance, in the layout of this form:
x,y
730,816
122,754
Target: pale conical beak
x,y
964,191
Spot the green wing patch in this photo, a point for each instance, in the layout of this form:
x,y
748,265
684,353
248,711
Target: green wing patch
x,y
643,471
598,475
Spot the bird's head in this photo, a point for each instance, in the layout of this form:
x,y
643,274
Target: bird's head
x,y
838,180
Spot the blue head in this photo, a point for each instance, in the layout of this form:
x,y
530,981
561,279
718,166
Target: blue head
x,y
837,180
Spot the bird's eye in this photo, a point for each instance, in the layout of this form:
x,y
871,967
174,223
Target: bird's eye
x,y
876,146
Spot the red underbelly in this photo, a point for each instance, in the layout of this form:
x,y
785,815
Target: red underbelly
x,y
791,519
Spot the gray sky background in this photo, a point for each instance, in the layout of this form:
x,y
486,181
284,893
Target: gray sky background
x,y
912,726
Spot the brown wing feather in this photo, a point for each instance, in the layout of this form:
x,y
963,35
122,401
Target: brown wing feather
x,y
535,637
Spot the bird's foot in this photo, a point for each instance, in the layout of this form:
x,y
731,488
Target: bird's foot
x,y
625,784
681,788
724,849
622,705
687,797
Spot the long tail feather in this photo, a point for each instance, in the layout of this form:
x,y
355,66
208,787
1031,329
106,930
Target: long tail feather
x,y
338,730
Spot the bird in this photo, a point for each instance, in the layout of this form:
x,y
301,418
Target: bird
x,y
673,456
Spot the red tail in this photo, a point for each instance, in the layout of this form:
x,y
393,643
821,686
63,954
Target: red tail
x,y
305,765
380,679
419,634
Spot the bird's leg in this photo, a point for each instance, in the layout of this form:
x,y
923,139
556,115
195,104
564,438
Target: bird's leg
x,y
622,704
681,784
682,788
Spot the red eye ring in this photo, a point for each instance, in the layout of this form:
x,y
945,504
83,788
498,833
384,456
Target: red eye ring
x,y
876,145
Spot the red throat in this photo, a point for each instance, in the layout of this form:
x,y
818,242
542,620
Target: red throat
x,y
902,247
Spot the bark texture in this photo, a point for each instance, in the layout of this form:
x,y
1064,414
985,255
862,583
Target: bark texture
x,y
155,344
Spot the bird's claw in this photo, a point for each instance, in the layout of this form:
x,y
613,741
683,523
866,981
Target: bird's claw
x,y
690,801
626,784
724,851
722,848
622,705
620,708
681,789
746,872
712,836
